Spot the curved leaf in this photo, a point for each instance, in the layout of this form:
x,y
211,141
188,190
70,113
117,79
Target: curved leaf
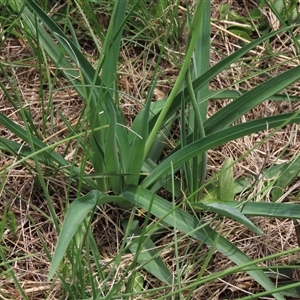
x,y
223,209
231,112
263,209
186,153
193,227
215,70
75,215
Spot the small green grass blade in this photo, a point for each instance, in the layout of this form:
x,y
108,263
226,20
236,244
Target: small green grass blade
x,y
44,153
148,255
23,134
288,173
54,51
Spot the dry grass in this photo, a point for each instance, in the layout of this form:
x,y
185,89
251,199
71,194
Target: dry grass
x,y
20,192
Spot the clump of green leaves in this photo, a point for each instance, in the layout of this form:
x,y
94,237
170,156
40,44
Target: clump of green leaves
x,y
8,222
128,169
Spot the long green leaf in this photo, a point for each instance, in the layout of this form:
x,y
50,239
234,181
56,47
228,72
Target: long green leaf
x,y
263,209
201,62
214,71
221,137
194,28
196,169
228,94
108,94
136,159
225,181
75,215
221,208
55,52
190,225
111,153
231,112
45,154
111,47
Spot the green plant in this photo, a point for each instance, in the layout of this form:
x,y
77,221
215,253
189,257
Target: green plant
x,y
257,22
128,165
245,26
285,11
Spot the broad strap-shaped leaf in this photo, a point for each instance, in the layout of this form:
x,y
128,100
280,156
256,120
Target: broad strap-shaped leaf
x,y
137,147
109,94
178,158
75,215
226,182
234,94
221,208
192,226
231,112
226,94
262,209
111,48
111,153
201,57
195,170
